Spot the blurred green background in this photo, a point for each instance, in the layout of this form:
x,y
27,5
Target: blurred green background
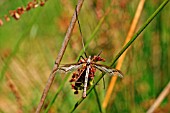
x,y
29,46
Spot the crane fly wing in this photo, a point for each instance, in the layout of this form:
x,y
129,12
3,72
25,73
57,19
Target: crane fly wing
x,y
108,70
70,67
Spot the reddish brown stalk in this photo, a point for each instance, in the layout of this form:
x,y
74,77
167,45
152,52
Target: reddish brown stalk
x,y
160,98
120,61
59,57
14,90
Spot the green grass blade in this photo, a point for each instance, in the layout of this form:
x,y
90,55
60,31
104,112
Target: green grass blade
x,y
56,94
98,100
16,47
92,36
124,48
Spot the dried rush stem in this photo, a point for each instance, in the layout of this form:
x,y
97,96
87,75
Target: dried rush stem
x,y
59,57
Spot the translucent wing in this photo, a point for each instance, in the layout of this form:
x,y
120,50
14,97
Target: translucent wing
x,y
70,67
108,70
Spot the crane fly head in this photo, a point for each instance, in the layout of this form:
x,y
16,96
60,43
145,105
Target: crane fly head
x,y
89,60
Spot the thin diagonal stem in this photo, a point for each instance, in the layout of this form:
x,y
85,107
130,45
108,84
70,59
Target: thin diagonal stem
x,y
160,98
59,57
95,30
98,100
56,94
15,92
80,30
124,48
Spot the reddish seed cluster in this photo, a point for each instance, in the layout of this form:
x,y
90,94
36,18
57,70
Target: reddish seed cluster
x,y
98,58
7,18
1,22
78,77
16,14
77,80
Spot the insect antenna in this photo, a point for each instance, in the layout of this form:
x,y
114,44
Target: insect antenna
x,y
80,58
80,29
99,53
85,54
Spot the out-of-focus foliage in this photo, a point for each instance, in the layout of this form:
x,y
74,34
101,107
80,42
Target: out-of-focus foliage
x,y
29,46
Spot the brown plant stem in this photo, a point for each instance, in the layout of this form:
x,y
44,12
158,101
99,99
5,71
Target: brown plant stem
x,y
59,57
160,98
14,90
120,61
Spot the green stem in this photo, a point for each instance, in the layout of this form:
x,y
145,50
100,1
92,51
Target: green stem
x,y
56,94
92,35
98,100
124,48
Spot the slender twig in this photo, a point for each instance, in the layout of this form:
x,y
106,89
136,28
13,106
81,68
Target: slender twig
x,y
160,98
120,61
59,57
124,48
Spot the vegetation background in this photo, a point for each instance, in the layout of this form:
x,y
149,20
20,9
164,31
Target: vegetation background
x,y
29,46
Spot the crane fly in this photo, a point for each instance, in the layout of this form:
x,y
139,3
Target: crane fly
x,y
83,78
